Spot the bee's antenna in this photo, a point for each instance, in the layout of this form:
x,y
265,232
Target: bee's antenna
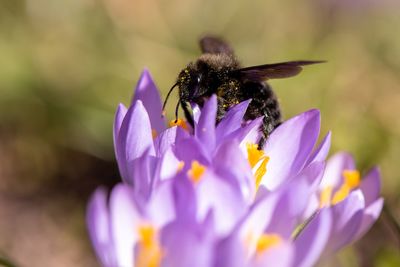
x,y
166,98
176,111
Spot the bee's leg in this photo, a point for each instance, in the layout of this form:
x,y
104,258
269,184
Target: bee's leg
x,y
266,128
188,114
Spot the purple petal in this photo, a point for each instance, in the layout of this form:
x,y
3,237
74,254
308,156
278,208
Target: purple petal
x,y
230,252
186,245
248,134
322,150
165,140
161,208
232,120
371,214
119,117
281,255
289,147
312,240
215,194
169,165
185,199
371,186
205,130
125,220
230,163
143,174
134,138
259,217
190,149
98,222
289,208
335,167
146,91
347,216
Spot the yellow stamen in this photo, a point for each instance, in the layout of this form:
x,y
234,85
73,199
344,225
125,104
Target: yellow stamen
x,y
325,197
149,250
179,122
181,164
351,181
154,133
261,170
352,178
196,171
256,156
267,241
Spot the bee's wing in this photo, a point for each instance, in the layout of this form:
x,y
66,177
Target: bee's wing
x,y
273,71
214,45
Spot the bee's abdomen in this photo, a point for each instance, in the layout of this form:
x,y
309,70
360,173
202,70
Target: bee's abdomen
x,y
264,103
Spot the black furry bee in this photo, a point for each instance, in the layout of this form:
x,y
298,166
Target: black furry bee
x,y
217,71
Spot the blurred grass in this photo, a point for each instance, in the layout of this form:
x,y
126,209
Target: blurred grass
x,y
65,66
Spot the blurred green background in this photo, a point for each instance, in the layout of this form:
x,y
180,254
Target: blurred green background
x,y
65,65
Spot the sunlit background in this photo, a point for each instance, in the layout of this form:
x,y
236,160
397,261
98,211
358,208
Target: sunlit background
x,y
65,65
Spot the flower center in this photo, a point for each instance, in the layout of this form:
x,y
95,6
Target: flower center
x,y
267,241
351,180
196,171
258,162
179,122
149,250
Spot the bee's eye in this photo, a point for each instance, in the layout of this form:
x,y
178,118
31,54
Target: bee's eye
x,y
198,79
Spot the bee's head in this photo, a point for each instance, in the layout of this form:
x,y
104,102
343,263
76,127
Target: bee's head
x,y
189,81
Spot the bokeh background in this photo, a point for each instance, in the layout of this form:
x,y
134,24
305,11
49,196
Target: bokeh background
x,y
65,65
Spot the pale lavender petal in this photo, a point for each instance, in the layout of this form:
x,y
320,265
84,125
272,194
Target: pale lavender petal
x,y
119,117
146,91
371,186
347,216
191,149
143,174
371,214
98,222
313,239
232,120
321,152
161,208
185,199
289,208
165,140
249,134
313,174
258,218
125,220
134,138
215,194
169,165
335,167
230,163
289,147
281,255
186,245
205,130
230,252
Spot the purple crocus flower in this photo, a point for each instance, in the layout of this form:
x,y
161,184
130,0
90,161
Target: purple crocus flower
x,y
208,197
355,202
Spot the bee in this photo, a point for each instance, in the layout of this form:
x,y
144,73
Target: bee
x,y
217,71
